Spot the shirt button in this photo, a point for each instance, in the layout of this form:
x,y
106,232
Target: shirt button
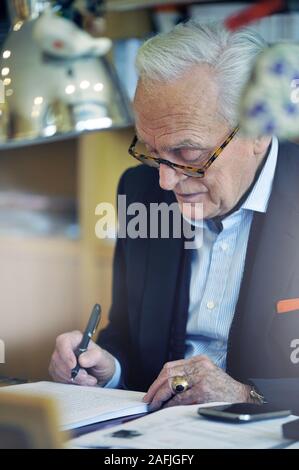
x,y
210,305
224,246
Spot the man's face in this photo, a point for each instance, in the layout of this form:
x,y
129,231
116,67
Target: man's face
x,y
179,121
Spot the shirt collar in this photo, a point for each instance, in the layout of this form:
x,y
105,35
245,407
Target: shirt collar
x,y
258,198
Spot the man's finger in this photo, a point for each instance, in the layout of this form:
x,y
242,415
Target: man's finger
x,y
161,377
63,374
57,372
191,370
159,382
63,366
91,358
163,394
66,344
83,378
185,398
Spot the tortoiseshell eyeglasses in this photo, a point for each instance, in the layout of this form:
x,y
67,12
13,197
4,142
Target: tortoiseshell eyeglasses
x,y
187,170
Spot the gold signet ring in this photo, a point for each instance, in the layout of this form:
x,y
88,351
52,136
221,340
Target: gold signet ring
x,y
179,384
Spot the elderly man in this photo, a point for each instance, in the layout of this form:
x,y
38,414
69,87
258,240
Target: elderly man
x,y
220,322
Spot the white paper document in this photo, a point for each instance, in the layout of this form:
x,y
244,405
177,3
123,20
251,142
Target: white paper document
x,y
79,406
182,428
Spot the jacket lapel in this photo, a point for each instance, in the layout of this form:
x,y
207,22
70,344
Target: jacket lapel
x,y
270,262
158,305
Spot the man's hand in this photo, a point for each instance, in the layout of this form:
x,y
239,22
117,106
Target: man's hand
x,y
99,362
207,383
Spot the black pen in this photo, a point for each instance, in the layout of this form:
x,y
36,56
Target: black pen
x,y
89,331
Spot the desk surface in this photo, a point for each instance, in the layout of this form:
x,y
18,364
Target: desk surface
x,y
182,428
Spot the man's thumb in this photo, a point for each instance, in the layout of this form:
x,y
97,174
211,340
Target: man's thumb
x,y
88,359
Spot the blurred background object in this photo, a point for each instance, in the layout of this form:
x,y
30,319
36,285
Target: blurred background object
x,y
57,80
29,422
270,102
25,215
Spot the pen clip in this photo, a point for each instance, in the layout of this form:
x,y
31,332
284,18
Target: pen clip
x,y
96,325
81,350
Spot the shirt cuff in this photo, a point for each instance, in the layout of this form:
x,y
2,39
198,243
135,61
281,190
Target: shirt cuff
x,y
115,381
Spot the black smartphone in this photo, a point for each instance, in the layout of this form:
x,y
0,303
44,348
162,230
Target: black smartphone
x,y
243,412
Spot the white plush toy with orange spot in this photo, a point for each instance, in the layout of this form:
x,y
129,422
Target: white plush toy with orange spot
x,y
61,37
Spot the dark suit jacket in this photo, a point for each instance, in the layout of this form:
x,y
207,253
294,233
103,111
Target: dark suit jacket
x,y
151,282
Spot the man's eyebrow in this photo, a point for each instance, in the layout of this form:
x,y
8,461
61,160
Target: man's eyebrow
x,y
186,143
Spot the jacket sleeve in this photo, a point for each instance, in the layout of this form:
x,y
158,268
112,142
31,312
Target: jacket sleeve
x,y
115,338
282,392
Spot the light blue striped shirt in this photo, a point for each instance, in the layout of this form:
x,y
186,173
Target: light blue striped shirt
x,y
216,273
217,270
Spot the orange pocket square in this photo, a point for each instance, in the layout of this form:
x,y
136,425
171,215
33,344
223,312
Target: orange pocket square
x,y
287,305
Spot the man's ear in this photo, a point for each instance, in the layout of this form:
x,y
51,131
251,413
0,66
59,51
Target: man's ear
x,y
261,144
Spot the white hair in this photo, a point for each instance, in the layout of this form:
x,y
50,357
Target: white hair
x,y
167,56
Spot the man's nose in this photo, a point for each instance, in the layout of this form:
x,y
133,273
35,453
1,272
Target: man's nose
x,y
169,178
